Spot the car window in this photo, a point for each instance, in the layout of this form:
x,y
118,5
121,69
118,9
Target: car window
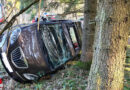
x,y
72,34
55,43
73,37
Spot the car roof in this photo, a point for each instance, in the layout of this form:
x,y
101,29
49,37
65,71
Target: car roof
x,y
47,22
41,22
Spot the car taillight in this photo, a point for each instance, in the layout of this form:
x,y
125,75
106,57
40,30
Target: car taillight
x,y
75,45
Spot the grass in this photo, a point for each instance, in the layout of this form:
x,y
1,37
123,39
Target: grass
x,y
71,78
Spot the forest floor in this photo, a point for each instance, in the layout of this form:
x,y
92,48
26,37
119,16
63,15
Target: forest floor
x,y
73,77
70,78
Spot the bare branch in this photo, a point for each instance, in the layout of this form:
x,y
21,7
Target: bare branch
x,y
11,10
10,23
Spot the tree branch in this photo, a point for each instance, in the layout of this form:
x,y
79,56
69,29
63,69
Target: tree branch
x,y
10,23
11,10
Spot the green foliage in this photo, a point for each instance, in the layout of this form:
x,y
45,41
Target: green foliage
x,y
39,86
127,80
25,3
127,71
69,1
128,53
84,65
52,5
63,1
127,60
71,5
126,88
33,10
32,16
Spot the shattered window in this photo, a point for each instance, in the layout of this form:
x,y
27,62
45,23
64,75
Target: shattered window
x,y
56,44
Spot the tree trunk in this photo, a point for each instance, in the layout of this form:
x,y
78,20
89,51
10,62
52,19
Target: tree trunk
x,y
107,69
86,30
89,30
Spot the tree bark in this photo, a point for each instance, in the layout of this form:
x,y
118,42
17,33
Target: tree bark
x,y
112,27
88,30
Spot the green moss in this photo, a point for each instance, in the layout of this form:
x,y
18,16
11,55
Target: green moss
x,y
84,65
127,60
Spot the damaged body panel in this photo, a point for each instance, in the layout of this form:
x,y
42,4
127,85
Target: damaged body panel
x,y
27,53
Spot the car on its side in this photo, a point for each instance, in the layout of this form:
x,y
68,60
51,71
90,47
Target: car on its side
x,y
28,53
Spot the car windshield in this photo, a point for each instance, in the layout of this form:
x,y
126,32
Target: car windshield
x,y
0,11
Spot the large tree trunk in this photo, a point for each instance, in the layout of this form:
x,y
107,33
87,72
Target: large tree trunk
x,y
88,30
107,70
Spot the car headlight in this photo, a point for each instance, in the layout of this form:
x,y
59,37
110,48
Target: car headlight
x,y
6,62
14,35
30,76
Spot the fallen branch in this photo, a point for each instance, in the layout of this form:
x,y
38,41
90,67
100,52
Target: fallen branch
x,y
10,23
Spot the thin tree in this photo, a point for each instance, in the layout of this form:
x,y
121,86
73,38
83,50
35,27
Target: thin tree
x,y
112,27
88,30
